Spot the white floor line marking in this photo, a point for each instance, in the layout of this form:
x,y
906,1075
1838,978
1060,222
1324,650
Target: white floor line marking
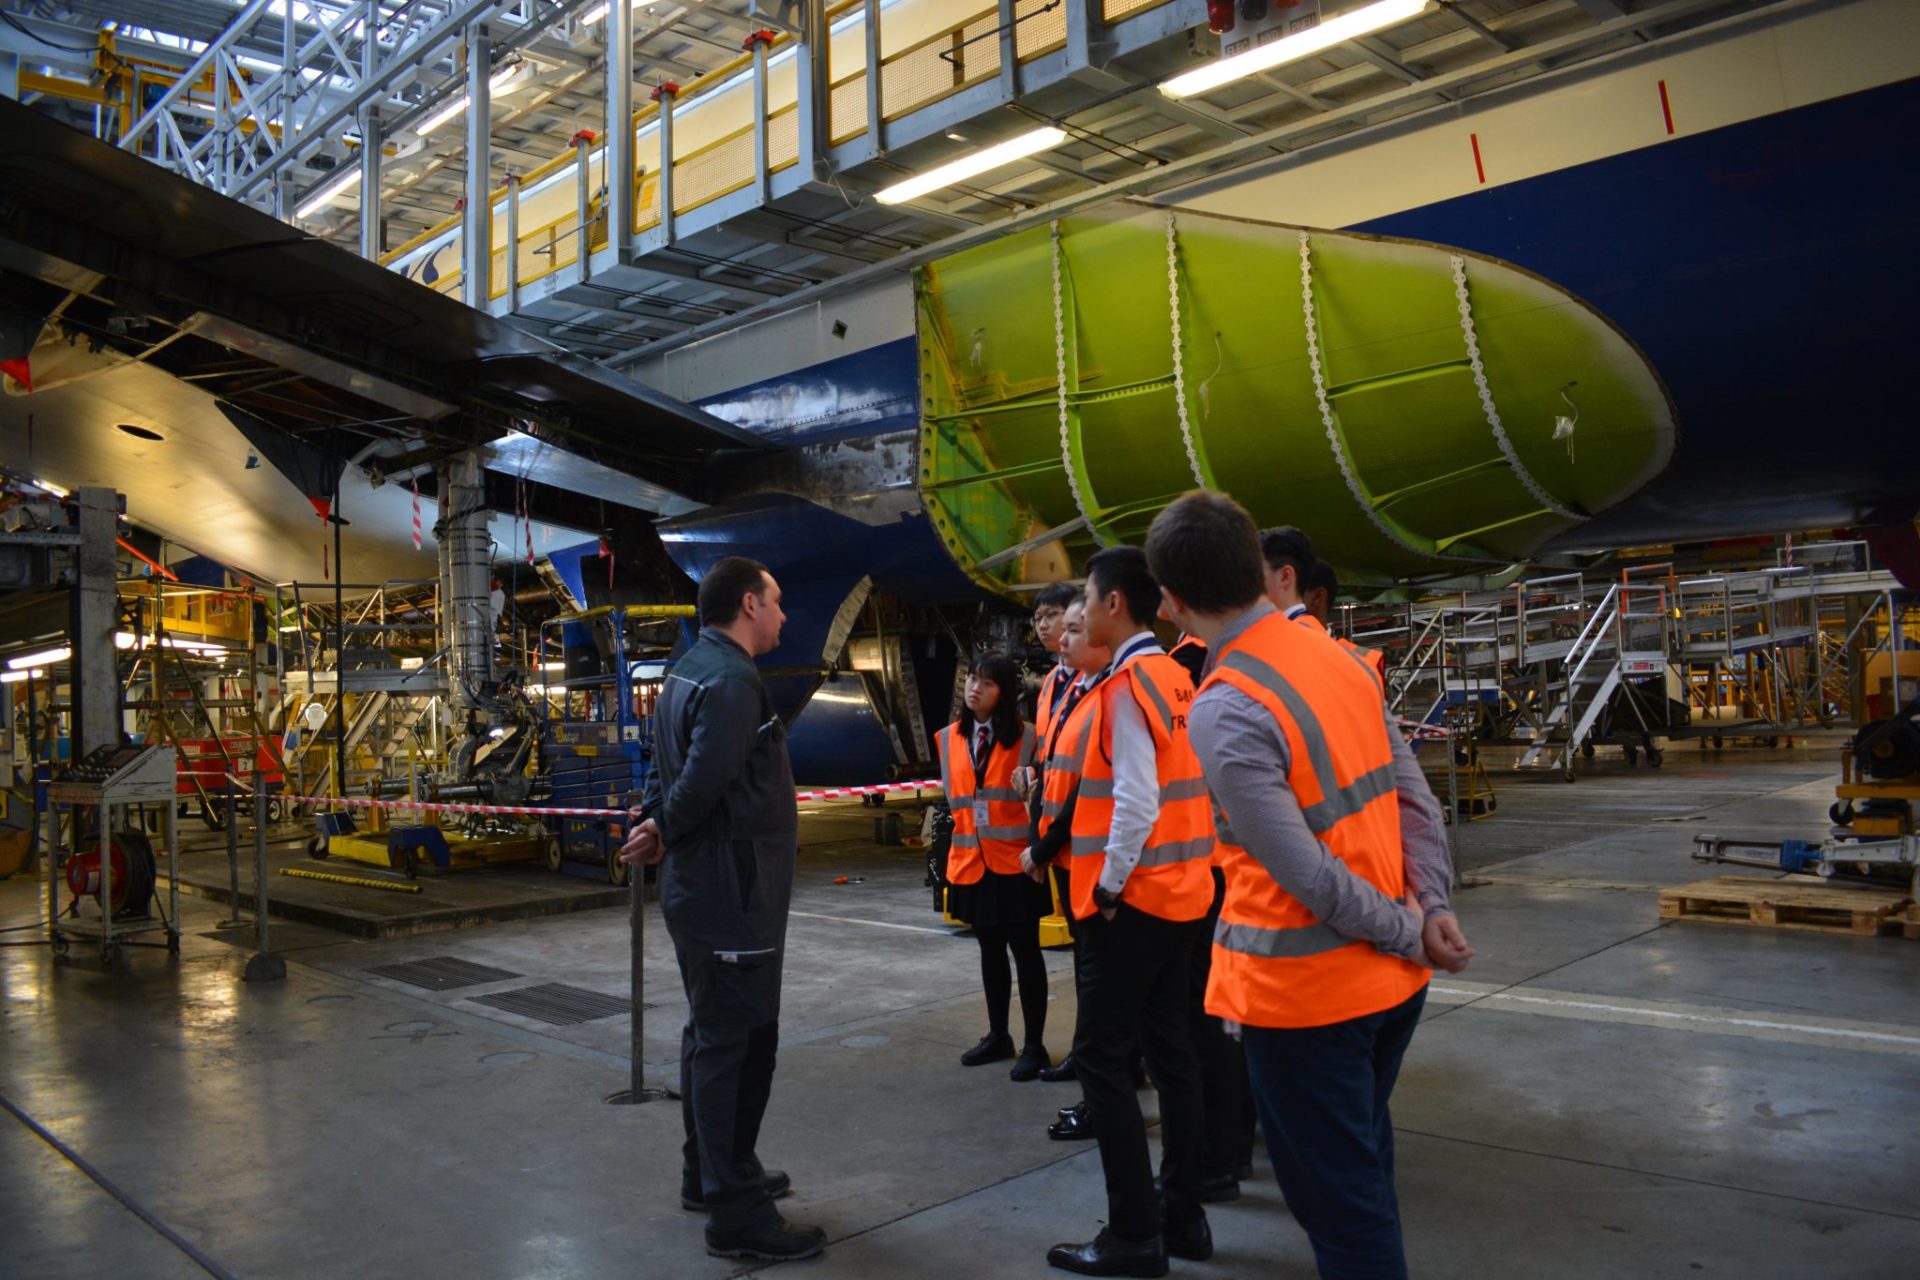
x,y
877,924
1688,1018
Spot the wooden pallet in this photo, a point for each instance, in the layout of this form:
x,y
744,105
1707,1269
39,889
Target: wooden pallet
x,y
1790,904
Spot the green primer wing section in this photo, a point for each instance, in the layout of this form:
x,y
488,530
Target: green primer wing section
x,y
1329,379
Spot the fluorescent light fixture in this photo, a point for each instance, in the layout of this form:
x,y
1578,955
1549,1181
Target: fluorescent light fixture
x,y
127,640
1304,44
332,191
15,677
40,659
47,486
597,14
502,82
969,166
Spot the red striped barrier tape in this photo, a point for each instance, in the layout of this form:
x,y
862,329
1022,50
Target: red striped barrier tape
x,y
544,811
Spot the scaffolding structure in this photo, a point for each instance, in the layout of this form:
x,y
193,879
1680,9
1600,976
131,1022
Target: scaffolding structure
x,y
1563,664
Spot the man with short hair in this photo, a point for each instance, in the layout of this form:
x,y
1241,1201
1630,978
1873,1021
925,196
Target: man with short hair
x,y
720,815
1289,557
1142,837
1051,820
1049,627
1337,882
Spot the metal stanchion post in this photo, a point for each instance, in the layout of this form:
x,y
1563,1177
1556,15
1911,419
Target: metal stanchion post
x,y
637,1090
263,965
230,806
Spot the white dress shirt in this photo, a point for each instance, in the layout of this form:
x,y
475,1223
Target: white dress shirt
x,y
1136,776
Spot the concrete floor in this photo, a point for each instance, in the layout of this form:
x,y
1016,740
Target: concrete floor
x,y
1602,1095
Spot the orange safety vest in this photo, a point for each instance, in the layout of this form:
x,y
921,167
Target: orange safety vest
x,y
1274,963
1171,880
989,820
1065,756
1052,687
1376,662
1184,643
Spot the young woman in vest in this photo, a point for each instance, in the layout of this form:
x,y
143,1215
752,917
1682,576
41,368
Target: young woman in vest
x,y
979,754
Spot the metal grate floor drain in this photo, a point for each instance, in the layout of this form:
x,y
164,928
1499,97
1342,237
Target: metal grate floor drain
x,y
442,973
556,1003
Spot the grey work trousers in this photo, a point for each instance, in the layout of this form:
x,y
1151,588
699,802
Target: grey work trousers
x,y
726,1076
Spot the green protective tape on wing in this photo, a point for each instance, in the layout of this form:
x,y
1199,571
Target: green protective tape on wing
x,y
1452,467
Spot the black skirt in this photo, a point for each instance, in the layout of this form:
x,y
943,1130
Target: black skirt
x,y
999,902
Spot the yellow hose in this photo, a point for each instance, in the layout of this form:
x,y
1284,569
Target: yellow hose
x,y
397,886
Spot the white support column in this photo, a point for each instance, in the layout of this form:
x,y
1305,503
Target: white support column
x,y
222,127
513,242
621,187
476,268
372,146
665,93
1009,51
810,70
583,250
757,43
876,124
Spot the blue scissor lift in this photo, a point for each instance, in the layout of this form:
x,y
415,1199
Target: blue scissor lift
x,y
596,746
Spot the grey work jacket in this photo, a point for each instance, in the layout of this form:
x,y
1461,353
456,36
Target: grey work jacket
x,y
722,793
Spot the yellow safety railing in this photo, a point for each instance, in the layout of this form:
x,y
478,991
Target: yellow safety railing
x,y
964,50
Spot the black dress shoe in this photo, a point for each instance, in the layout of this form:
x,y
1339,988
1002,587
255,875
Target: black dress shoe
x,y
777,1184
1108,1255
776,1241
1033,1060
992,1048
1190,1240
1061,1070
1219,1189
1076,1123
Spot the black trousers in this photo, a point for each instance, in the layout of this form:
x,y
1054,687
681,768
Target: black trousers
x,y
1134,989
1323,1095
726,1076
1226,1145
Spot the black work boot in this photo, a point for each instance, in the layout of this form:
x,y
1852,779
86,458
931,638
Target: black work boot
x,y
693,1197
775,1241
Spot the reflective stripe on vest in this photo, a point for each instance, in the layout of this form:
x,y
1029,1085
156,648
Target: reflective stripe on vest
x,y
1068,756
989,818
1274,963
1171,879
1338,802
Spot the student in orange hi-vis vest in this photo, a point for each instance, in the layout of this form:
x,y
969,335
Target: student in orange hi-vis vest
x,y
980,754
1321,598
1226,1145
1051,824
1337,883
1140,845
1049,628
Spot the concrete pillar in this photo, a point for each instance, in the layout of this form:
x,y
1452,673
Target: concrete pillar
x,y
96,686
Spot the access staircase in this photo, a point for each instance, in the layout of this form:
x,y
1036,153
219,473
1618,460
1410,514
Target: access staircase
x,y
383,659
1560,663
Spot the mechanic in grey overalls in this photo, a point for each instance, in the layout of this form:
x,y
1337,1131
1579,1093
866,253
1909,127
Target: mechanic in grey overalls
x,y
721,818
